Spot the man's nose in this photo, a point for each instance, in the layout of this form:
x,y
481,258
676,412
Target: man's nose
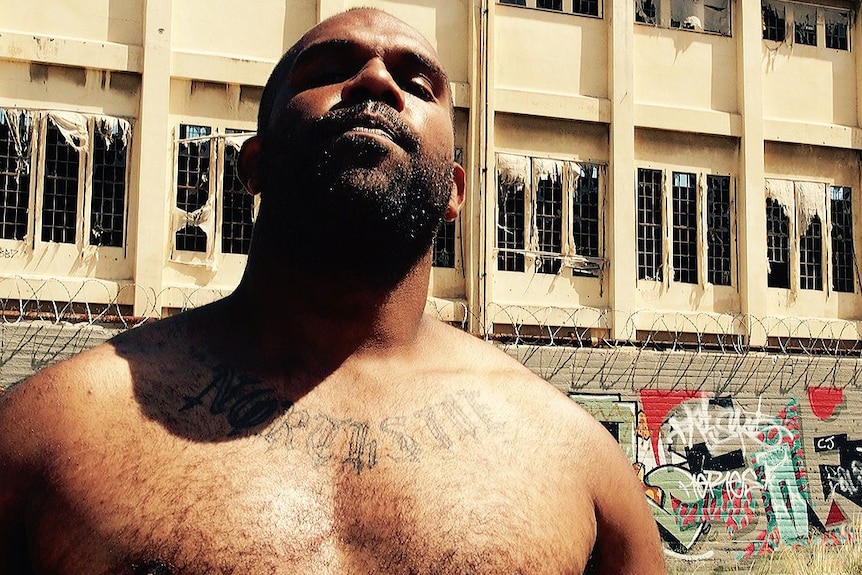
x,y
373,82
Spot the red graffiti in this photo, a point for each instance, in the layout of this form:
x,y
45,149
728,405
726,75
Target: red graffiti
x,y
824,400
835,515
656,404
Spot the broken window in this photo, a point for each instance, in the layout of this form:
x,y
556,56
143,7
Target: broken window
x,y
193,184
550,4
805,24
549,219
586,7
777,244
237,204
108,204
646,12
548,213
511,213
15,138
716,16
843,254
811,256
649,186
60,196
836,23
685,228
585,212
718,243
773,21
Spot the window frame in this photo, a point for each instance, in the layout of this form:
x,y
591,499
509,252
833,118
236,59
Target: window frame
x,y
211,224
567,7
32,242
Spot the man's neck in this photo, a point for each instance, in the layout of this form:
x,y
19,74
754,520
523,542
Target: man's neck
x,y
315,322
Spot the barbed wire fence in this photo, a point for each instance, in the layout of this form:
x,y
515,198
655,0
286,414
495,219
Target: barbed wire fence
x,y
46,320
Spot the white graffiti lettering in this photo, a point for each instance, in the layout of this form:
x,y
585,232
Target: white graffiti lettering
x,y
737,484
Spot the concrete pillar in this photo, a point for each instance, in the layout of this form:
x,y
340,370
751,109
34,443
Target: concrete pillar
x,y
750,195
155,153
620,214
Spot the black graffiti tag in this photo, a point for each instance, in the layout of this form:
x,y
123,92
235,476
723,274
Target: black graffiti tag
x,y
243,401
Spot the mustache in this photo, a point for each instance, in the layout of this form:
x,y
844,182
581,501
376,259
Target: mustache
x,y
368,114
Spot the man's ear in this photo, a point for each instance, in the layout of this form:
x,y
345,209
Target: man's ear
x,y
456,198
249,164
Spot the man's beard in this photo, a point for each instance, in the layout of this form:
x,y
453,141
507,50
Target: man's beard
x,y
346,206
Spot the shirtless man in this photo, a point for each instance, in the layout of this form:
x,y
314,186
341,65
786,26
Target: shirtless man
x,y
315,421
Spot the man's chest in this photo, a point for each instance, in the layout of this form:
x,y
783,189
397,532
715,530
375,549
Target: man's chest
x,y
267,507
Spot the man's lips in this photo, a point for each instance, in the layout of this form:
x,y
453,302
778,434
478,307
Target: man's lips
x,y
371,120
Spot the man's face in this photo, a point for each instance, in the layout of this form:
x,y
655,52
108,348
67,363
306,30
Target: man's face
x,y
358,153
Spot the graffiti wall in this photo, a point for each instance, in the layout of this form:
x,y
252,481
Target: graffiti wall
x,y
737,476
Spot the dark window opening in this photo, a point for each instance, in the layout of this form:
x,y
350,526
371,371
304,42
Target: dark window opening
x,y
649,225
108,206
777,244
773,22
843,254
510,223
645,12
586,7
718,244
585,217
836,24
14,175
549,221
193,182
60,196
515,2
444,246
811,256
238,211
550,4
805,25
685,228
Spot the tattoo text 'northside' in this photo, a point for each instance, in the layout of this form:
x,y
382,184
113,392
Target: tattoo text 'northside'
x,y
247,404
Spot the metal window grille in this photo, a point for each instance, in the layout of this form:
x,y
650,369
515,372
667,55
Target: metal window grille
x,y
585,208
108,205
773,22
193,164
510,224
843,253
549,221
550,4
237,208
586,7
805,25
685,228
811,256
836,24
777,244
60,195
14,179
649,224
718,243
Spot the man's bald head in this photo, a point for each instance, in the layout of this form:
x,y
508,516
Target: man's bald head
x,y
281,72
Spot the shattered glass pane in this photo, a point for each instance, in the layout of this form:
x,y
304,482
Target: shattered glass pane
x,y
60,196
511,213
811,256
716,16
237,206
108,206
843,254
805,25
718,244
777,244
773,21
836,23
549,220
193,164
14,174
646,12
585,216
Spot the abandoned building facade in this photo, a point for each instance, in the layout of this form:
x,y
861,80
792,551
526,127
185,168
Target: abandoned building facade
x,y
669,187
